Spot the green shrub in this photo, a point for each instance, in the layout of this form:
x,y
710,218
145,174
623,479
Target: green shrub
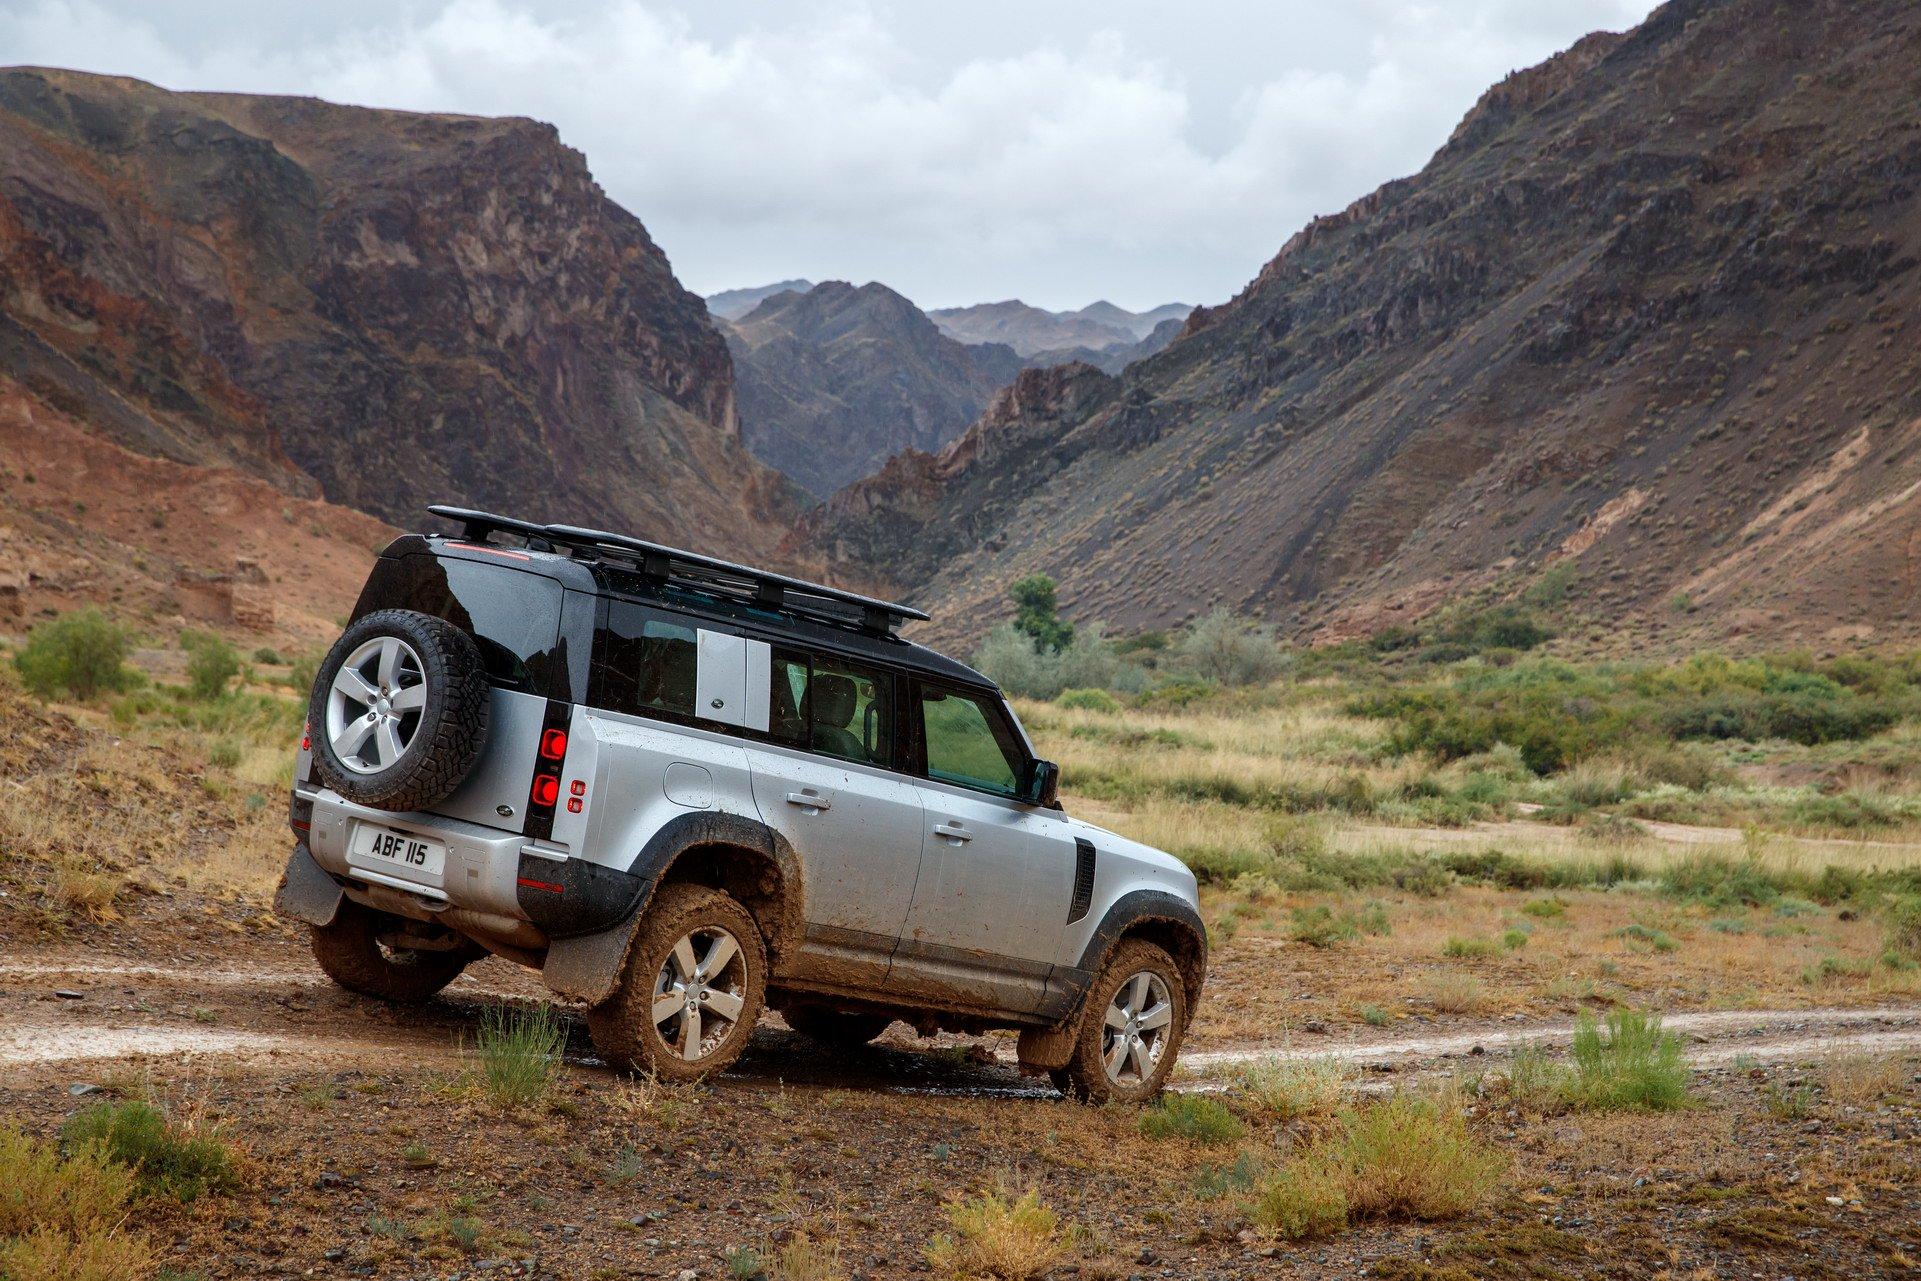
x,y
1514,938
212,665
1903,915
165,1160
1550,908
82,654
1306,1199
1089,700
1629,1062
1211,1182
1319,927
520,1052
1174,695
1648,936
61,1217
995,1234
1037,614
1226,650
1194,1117
268,655
1468,949
1290,1088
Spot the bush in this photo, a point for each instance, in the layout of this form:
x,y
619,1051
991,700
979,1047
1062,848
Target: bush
x,y
1628,1063
1291,1089
1000,1237
212,665
520,1052
82,654
60,1217
1306,1199
1088,700
1469,949
1227,650
1319,927
165,1160
1037,615
1903,915
1194,1117
1009,658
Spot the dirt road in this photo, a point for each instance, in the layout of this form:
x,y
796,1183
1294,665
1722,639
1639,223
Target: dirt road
x,y
65,1011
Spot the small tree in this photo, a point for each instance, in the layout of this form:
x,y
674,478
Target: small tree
x,y
82,654
1038,614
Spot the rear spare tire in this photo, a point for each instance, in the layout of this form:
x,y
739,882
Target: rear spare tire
x,y
399,710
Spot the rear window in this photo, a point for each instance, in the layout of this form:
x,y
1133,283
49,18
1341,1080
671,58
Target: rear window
x,y
513,616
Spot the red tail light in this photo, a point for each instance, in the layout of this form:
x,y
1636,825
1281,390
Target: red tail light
x,y
306,738
546,791
553,745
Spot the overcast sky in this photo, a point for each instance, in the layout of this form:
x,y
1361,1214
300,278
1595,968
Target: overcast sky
x,y
1053,150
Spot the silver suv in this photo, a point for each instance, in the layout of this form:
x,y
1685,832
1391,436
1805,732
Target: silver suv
x,y
682,788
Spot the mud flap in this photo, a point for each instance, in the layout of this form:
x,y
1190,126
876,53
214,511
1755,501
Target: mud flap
x,y
587,967
306,892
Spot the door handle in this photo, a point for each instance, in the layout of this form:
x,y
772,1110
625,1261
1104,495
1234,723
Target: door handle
x,y
808,799
953,831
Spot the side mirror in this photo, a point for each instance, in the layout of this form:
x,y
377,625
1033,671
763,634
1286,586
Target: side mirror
x,y
1044,784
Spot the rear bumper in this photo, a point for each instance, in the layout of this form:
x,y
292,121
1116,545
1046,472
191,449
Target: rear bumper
x,y
479,873
503,874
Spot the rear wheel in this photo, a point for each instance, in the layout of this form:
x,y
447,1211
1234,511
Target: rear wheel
x,y
695,980
835,1027
360,951
1131,1027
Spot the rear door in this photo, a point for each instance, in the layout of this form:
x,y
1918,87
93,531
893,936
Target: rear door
x,y
827,782
997,873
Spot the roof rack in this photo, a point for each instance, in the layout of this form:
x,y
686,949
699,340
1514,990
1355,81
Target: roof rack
x,y
758,586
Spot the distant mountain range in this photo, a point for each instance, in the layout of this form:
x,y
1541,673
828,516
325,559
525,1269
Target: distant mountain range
x,y
732,304
1032,331
836,379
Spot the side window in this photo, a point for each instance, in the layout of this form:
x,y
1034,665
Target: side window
x,y
968,742
645,661
835,708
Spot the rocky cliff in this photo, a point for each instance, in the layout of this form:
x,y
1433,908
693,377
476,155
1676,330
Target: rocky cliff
x,y
385,308
835,380
1645,328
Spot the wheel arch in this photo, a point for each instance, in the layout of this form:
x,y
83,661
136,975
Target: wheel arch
x,y
1170,923
730,852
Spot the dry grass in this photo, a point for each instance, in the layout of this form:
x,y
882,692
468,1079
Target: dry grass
x,y
1859,1079
999,1235
803,1258
1457,994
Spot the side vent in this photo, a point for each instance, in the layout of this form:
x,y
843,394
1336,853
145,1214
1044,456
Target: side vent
x,y
1084,857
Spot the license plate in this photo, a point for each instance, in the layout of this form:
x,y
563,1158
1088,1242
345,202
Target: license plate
x,y
383,848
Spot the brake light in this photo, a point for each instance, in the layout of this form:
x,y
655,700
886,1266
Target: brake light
x,y
306,737
553,745
546,791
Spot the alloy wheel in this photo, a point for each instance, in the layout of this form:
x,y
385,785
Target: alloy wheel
x,y
700,992
375,704
1137,1026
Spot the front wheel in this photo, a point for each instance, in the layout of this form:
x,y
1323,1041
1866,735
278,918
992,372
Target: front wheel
x,y
695,979
1131,1027
353,953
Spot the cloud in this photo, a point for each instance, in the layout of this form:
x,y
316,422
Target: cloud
x,y
830,144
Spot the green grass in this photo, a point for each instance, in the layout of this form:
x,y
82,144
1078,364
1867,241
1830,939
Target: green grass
x,y
63,1217
1193,1117
1469,949
520,1052
166,1160
1627,1063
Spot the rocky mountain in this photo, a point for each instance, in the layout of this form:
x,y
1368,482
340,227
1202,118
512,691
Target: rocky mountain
x,y
385,308
732,304
1644,336
835,380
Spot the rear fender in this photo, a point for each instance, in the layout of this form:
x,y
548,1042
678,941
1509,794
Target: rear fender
x,y
587,966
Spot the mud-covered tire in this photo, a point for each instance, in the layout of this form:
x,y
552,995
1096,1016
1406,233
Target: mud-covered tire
x,y
1086,1075
633,1034
443,736
350,953
843,1028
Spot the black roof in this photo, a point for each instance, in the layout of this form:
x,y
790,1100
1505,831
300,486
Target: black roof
x,y
811,613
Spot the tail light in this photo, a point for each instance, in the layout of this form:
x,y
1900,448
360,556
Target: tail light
x,y
306,737
550,758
